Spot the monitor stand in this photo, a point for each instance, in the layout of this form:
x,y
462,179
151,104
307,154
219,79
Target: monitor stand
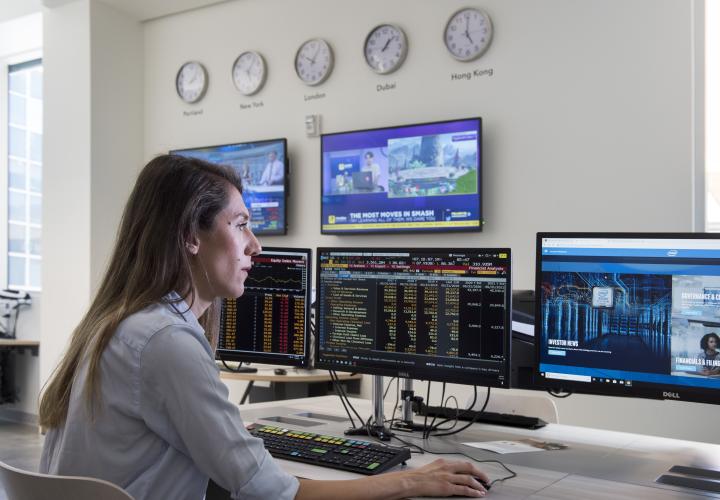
x,y
406,423
376,426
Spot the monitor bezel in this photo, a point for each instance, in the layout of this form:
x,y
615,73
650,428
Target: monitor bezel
x,y
275,358
286,178
477,229
459,378
672,392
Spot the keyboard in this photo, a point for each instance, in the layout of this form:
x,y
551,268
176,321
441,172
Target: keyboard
x,y
486,417
362,457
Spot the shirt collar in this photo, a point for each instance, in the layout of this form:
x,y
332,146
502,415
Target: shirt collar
x,y
178,306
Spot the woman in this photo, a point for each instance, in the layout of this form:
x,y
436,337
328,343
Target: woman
x,y
137,399
709,343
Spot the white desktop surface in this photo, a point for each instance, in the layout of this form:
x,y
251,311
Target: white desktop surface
x,y
598,464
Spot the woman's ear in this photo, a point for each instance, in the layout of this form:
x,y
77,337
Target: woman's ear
x,y
192,246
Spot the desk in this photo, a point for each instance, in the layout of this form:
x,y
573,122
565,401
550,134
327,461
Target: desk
x,y
296,383
597,465
7,368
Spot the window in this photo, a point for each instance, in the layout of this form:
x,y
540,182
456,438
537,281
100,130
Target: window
x,y
24,175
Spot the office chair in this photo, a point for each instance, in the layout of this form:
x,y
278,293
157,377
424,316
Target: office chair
x,y
24,485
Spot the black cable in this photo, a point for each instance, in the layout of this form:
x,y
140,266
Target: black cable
x,y
428,430
442,402
474,419
397,400
557,394
499,480
337,391
336,380
230,368
387,387
455,420
427,405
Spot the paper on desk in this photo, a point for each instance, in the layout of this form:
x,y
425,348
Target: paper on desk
x,y
519,446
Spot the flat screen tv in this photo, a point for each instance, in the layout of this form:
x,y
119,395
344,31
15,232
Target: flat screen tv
x,y
412,178
263,167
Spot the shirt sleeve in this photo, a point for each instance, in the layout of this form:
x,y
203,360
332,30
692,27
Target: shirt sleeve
x,y
183,401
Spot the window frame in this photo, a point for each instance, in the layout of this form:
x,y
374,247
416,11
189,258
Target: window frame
x,y
5,64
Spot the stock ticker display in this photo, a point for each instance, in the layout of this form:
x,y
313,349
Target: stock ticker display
x,y
270,319
435,314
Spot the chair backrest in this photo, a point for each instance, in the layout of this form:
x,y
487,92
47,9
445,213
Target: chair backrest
x,y
528,404
24,485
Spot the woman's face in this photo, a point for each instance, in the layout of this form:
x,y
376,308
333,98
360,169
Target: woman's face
x,y
225,250
712,343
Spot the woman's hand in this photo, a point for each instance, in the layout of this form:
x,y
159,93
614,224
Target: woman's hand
x,y
443,478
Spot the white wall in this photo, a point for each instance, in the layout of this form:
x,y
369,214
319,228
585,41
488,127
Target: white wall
x,y
92,146
587,117
66,180
588,122
116,51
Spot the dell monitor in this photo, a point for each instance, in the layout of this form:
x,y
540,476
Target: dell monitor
x,y
412,178
263,168
629,314
269,323
431,314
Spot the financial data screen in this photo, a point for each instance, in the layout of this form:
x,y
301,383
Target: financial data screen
x,y
431,314
270,321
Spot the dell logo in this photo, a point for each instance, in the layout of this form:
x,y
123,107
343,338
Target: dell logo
x,y
404,374
673,395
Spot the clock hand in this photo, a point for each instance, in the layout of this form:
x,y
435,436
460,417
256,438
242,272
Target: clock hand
x,y
467,29
387,43
316,54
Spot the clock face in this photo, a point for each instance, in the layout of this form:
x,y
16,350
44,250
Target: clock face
x,y
468,34
191,82
249,72
385,48
314,61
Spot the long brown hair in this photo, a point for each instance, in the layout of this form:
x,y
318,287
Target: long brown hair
x,y
174,197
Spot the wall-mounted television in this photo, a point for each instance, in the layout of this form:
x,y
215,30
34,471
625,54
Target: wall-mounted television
x,y
263,167
412,178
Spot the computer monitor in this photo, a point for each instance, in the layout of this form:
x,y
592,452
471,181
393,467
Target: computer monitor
x,y
629,314
263,168
269,323
420,178
432,314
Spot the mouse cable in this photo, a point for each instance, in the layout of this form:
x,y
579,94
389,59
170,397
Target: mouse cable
x,y
511,472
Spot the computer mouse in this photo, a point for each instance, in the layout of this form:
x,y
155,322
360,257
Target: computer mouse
x,y
485,484
280,371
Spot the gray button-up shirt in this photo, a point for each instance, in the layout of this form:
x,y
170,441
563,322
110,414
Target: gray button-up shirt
x,y
165,424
